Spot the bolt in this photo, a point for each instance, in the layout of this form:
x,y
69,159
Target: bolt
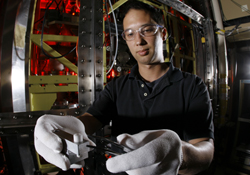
x,y
14,117
99,34
108,48
84,7
82,61
82,75
98,75
30,116
84,19
61,113
76,112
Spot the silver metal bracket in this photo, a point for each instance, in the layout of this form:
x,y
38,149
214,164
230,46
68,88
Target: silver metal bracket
x,y
185,9
73,146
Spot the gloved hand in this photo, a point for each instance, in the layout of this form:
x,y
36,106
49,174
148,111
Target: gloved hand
x,y
49,145
154,152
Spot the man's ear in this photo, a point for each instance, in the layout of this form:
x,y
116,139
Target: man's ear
x,y
164,34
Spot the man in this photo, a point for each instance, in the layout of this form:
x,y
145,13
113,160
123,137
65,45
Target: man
x,y
165,114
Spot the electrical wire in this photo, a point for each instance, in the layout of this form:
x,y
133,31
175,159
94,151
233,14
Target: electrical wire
x,y
197,37
116,49
228,33
42,37
241,32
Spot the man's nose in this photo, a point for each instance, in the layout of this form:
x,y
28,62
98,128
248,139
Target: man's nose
x,y
139,39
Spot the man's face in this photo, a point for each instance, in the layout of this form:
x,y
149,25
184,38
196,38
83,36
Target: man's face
x,y
146,50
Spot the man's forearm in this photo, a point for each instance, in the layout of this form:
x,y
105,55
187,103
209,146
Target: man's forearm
x,y
196,157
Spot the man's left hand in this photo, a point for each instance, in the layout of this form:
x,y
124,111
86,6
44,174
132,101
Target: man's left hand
x,y
154,152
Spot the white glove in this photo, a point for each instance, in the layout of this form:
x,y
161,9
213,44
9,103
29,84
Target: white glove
x,y
154,152
49,145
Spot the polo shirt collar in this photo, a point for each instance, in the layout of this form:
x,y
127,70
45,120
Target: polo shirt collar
x,y
173,74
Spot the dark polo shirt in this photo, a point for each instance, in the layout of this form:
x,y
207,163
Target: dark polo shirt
x,y
179,101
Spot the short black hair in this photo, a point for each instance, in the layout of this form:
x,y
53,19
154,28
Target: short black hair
x,y
155,14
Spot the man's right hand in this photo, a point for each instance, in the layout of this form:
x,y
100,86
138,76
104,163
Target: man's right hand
x,y
50,146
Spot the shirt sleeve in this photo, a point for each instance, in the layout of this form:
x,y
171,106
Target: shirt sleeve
x,y
104,107
198,119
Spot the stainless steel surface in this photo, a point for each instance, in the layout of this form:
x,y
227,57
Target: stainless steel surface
x,y
24,122
18,58
7,24
210,63
185,9
27,52
90,69
222,60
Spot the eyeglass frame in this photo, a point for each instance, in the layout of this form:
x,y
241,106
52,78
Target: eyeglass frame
x,y
139,30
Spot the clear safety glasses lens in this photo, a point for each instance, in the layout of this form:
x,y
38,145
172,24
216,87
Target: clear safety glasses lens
x,y
147,30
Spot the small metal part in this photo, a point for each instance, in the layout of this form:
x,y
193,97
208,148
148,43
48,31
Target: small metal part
x,y
119,149
73,145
